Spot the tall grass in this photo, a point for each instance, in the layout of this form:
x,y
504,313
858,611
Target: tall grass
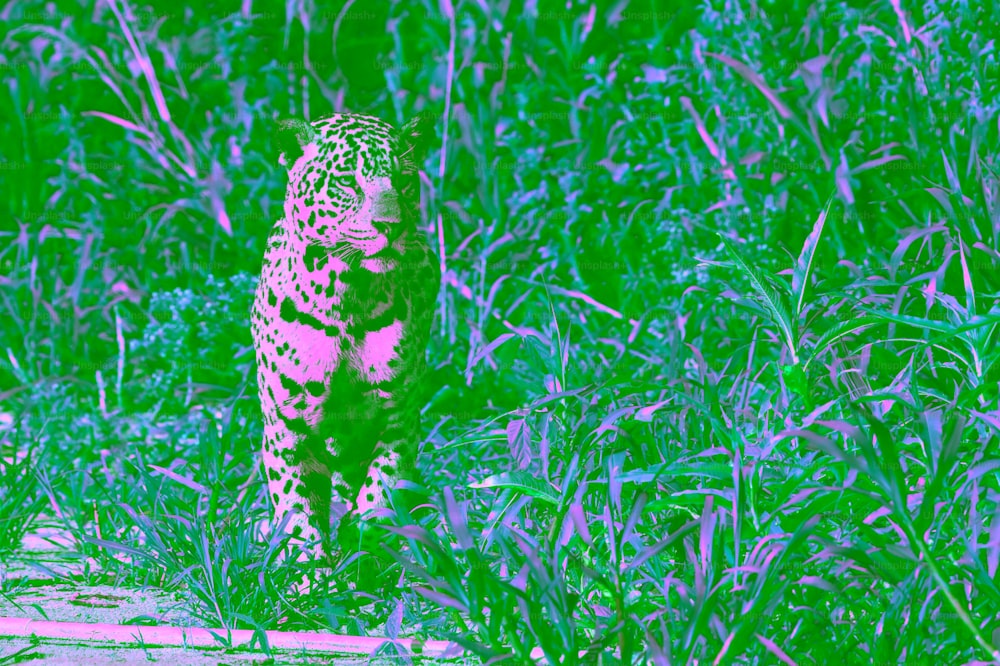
x,y
715,366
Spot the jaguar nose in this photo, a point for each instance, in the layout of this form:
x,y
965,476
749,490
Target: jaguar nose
x,y
386,206
389,228
386,215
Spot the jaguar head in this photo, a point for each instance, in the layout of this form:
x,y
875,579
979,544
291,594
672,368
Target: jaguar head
x,y
352,182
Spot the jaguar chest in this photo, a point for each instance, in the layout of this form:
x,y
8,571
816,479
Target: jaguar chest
x,y
325,313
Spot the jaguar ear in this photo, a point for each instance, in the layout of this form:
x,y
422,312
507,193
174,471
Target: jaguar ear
x,y
415,137
292,136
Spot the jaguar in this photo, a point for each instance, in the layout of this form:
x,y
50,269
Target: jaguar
x,y
341,320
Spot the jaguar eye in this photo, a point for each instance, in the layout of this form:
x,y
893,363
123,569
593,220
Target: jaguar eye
x,y
346,182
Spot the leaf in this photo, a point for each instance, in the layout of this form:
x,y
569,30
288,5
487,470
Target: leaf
x,y
772,300
121,122
874,164
485,351
773,648
524,482
666,470
797,380
440,598
645,414
414,532
949,170
558,395
683,502
843,178
978,321
118,547
706,138
579,518
970,291
609,422
457,520
184,481
519,442
940,469
803,267
909,320
841,330
755,78
891,481
659,546
395,621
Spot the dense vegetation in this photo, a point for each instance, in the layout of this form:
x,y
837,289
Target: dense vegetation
x,y
715,362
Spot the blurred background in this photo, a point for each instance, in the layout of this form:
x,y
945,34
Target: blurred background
x,y
601,356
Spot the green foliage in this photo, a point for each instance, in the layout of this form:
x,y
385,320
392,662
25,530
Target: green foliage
x,y
643,445
20,501
194,338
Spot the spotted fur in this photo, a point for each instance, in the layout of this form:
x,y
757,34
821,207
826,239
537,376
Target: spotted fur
x,y
342,317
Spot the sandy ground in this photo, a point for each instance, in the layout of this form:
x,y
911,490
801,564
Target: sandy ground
x,y
70,654
70,602
37,592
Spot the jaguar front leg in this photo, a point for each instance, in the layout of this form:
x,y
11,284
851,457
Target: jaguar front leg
x,y
303,475
393,458
284,482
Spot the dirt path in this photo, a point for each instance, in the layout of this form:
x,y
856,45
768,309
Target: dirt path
x,y
42,592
